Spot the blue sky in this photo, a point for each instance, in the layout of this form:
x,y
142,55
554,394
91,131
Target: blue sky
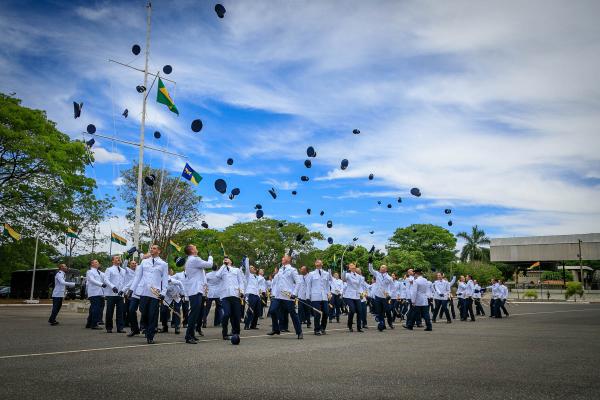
x,y
490,109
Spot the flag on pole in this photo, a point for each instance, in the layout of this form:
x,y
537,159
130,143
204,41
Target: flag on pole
x,y
223,249
191,175
117,239
10,232
174,245
72,234
163,97
535,264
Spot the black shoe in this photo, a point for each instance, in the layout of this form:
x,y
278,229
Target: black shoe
x,y
195,338
317,333
120,331
132,334
449,321
337,319
391,326
350,329
428,330
177,331
227,337
54,323
100,323
419,326
300,336
88,327
359,330
96,328
255,328
246,328
163,330
406,327
323,332
308,325
191,341
365,327
285,330
150,341
273,333
109,331
204,325
200,333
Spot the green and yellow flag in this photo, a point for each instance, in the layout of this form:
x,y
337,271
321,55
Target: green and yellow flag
x,y
72,234
174,246
117,239
10,232
163,97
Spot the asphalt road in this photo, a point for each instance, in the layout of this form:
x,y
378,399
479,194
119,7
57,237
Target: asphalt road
x,y
541,352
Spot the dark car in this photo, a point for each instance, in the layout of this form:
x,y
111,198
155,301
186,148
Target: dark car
x,y
4,292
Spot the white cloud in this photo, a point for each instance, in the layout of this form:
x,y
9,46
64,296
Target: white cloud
x,y
102,156
222,221
218,205
281,185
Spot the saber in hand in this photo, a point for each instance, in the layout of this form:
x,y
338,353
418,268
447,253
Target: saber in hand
x,y
289,295
156,292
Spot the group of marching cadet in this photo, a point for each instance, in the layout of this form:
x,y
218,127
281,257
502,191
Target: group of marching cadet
x,y
243,295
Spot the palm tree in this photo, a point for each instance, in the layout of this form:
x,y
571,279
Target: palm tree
x,y
472,250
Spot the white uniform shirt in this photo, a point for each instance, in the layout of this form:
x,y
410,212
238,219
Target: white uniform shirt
x,y
262,284
175,290
94,282
419,292
441,289
252,281
214,285
394,289
60,284
469,289
195,276
317,285
381,287
114,277
337,286
289,281
232,281
404,289
152,272
180,276
353,285
460,292
504,292
364,288
476,291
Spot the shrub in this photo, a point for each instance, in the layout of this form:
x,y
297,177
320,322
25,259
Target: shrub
x,y
573,288
531,293
556,275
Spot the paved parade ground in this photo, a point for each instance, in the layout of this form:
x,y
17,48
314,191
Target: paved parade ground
x,y
543,351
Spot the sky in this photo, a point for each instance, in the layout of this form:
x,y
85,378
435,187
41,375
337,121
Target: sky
x,y
491,109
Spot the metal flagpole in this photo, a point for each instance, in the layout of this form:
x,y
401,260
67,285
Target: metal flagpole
x,y
138,203
31,300
110,246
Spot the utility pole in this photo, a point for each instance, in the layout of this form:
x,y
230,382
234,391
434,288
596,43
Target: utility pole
x,y
580,264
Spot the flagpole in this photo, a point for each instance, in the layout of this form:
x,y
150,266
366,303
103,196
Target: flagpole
x,y
110,246
138,203
37,240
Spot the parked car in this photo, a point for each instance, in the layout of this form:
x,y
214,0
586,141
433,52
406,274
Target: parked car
x,y
4,292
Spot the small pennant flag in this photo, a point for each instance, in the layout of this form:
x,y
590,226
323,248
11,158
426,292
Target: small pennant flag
x,y
117,239
191,175
223,249
10,232
72,234
535,264
174,245
163,97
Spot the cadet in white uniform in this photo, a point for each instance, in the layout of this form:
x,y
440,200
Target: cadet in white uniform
x,y
195,284
95,292
115,277
477,299
419,302
304,311
468,299
503,297
496,299
262,287
151,273
337,287
214,296
232,293
175,292
381,294
352,294
134,301
317,290
441,289
288,287
252,291
460,294
364,293
185,301
58,293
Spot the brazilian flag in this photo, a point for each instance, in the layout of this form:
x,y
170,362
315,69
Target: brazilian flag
x,y
163,97
10,232
118,239
72,234
174,246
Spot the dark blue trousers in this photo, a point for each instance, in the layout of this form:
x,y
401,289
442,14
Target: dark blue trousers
x,y
165,314
56,305
441,307
285,306
232,310
112,303
95,312
354,307
363,316
195,306
253,312
336,302
218,311
416,314
320,319
149,306
304,312
132,314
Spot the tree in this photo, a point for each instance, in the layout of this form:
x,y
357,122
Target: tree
x,y
167,207
399,261
18,255
472,250
41,170
434,242
480,271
